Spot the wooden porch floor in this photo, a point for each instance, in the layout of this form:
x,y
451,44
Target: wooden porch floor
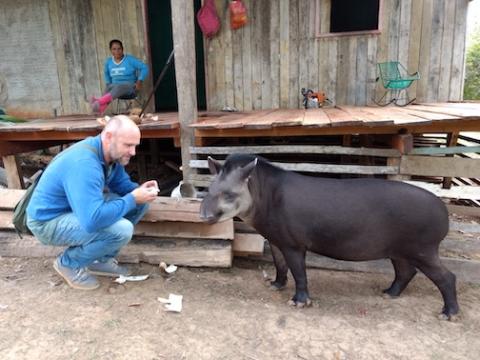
x,y
78,126
435,117
343,120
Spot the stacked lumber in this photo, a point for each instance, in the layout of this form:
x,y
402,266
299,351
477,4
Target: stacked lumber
x,y
171,232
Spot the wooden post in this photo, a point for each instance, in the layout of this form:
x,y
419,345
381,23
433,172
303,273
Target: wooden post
x,y
452,139
14,172
184,47
366,142
346,142
404,144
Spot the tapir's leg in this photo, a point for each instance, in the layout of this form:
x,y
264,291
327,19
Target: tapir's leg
x,y
296,262
281,267
443,279
404,272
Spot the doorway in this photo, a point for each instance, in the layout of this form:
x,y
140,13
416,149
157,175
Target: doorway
x,y
161,45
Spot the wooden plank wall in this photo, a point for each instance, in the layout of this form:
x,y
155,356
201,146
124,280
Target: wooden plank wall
x,y
265,64
29,85
81,33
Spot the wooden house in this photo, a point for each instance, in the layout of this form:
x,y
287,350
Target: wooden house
x,y
289,45
53,51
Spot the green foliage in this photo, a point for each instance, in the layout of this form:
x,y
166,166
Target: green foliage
x,y
471,89
10,119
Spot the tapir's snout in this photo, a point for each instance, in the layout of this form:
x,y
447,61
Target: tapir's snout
x,y
206,211
208,218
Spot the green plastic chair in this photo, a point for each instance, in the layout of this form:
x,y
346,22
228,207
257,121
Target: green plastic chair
x,y
395,80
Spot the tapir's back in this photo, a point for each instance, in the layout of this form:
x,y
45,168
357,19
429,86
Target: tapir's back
x,y
366,216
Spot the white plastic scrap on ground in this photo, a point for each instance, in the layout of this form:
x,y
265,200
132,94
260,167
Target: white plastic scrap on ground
x,y
122,279
170,269
173,303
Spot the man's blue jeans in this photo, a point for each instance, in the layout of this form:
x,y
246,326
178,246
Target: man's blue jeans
x,y
83,247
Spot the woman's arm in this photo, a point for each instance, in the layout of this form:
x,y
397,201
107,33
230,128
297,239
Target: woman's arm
x,y
142,68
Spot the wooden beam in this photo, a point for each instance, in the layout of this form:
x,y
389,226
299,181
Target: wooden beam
x,y
6,220
10,198
161,209
248,244
452,139
456,192
439,166
464,210
47,135
318,168
30,136
445,150
170,209
14,172
18,147
403,143
295,149
434,127
222,230
186,252
184,46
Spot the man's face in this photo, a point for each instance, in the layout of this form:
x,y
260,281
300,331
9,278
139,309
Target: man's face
x,y
122,146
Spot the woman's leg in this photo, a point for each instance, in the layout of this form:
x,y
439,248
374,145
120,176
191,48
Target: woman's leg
x,y
112,92
121,90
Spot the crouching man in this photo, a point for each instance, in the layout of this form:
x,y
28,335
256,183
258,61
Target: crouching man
x,y
86,201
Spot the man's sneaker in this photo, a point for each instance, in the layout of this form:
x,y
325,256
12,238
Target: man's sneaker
x,y
76,278
108,268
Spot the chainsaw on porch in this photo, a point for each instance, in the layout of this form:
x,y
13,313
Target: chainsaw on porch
x,y
314,100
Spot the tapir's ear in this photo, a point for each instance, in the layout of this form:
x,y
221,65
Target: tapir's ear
x,y
214,165
247,169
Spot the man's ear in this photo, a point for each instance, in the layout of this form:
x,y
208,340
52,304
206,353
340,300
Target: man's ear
x,y
108,136
214,165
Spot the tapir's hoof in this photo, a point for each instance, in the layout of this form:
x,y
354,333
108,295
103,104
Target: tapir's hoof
x,y
299,304
452,318
386,295
390,293
275,286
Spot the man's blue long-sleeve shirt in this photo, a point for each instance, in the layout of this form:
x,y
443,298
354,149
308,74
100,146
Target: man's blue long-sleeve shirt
x,y
75,182
129,70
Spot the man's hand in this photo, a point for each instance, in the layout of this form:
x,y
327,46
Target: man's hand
x,y
146,193
151,184
138,85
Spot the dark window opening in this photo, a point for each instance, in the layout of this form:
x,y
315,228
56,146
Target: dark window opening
x,y
354,15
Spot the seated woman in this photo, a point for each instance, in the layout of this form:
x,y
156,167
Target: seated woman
x,y
124,75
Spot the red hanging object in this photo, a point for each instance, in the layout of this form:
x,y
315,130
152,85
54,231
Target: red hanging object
x,y
238,14
208,19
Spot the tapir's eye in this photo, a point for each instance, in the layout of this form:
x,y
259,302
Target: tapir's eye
x,y
229,196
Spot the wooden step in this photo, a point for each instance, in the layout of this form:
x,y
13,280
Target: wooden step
x,y
185,252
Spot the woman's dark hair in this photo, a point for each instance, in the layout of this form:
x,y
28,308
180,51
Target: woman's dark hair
x,y
113,42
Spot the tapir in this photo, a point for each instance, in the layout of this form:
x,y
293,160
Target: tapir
x,y
345,219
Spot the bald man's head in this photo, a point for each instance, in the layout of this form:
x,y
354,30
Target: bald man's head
x,y
120,123
119,139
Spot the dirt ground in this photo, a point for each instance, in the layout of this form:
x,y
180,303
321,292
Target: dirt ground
x,y
228,314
